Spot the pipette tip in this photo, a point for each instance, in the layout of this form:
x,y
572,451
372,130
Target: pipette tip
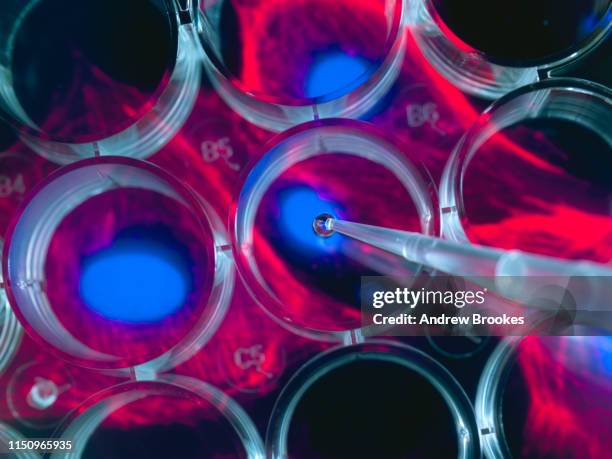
x,y
323,225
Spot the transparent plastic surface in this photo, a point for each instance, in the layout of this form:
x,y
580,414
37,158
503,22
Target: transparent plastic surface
x,y
173,416
487,51
74,90
8,435
566,383
533,174
456,258
113,263
10,329
40,393
311,284
351,383
282,63
10,333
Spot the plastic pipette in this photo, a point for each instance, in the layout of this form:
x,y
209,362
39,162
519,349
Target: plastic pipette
x,y
527,271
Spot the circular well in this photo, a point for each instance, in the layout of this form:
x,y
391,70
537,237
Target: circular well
x,y
308,283
338,420
171,416
116,230
328,58
521,178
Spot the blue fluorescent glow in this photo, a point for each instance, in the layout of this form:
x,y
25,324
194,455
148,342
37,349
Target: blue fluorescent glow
x,y
333,71
605,347
590,353
590,23
135,281
298,209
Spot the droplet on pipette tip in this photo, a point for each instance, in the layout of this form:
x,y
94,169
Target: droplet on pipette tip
x,y
323,225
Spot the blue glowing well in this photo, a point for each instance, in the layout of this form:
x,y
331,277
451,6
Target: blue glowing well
x,y
333,71
298,209
135,281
